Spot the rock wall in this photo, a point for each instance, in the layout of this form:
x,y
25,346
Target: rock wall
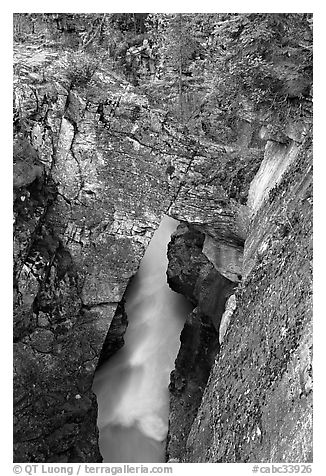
x,y
257,404
95,168
114,339
192,274
90,188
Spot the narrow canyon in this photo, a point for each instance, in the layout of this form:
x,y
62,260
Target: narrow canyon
x,y
163,195
132,387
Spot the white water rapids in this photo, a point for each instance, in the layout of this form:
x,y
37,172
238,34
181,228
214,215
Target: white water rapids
x,y
132,386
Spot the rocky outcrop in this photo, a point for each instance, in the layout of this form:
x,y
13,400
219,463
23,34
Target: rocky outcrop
x,y
255,214
95,168
114,339
191,273
203,199
257,405
90,188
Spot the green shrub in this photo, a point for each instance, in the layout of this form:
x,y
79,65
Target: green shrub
x,y
80,67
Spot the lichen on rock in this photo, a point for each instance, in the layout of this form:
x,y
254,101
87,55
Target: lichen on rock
x,y
91,204
103,147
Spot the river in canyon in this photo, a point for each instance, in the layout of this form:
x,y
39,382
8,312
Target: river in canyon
x,y
132,386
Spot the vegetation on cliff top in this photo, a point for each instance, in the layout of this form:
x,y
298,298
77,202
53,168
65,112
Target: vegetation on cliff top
x,y
211,73
207,69
204,85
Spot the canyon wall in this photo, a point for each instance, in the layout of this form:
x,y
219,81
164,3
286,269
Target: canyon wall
x,y
95,168
90,188
257,404
192,274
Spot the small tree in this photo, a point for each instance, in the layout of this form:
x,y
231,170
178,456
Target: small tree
x,y
80,67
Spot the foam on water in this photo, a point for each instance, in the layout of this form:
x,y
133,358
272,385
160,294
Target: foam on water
x,y
132,387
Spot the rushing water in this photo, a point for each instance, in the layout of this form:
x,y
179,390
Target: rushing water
x,y
132,387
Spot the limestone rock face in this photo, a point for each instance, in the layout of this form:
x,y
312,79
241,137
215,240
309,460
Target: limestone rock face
x,y
230,307
90,189
225,258
191,273
277,159
204,201
257,405
95,169
185,261
114,339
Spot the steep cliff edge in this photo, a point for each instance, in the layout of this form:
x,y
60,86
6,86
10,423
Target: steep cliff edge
x,y
253,203
192,274
96,165
257,405
94,170
89,192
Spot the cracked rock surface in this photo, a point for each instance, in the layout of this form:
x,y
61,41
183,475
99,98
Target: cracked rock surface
x,y
257,405
192,274
95,169
90,189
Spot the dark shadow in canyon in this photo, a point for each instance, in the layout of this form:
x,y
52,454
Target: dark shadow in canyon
x,y
132,386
